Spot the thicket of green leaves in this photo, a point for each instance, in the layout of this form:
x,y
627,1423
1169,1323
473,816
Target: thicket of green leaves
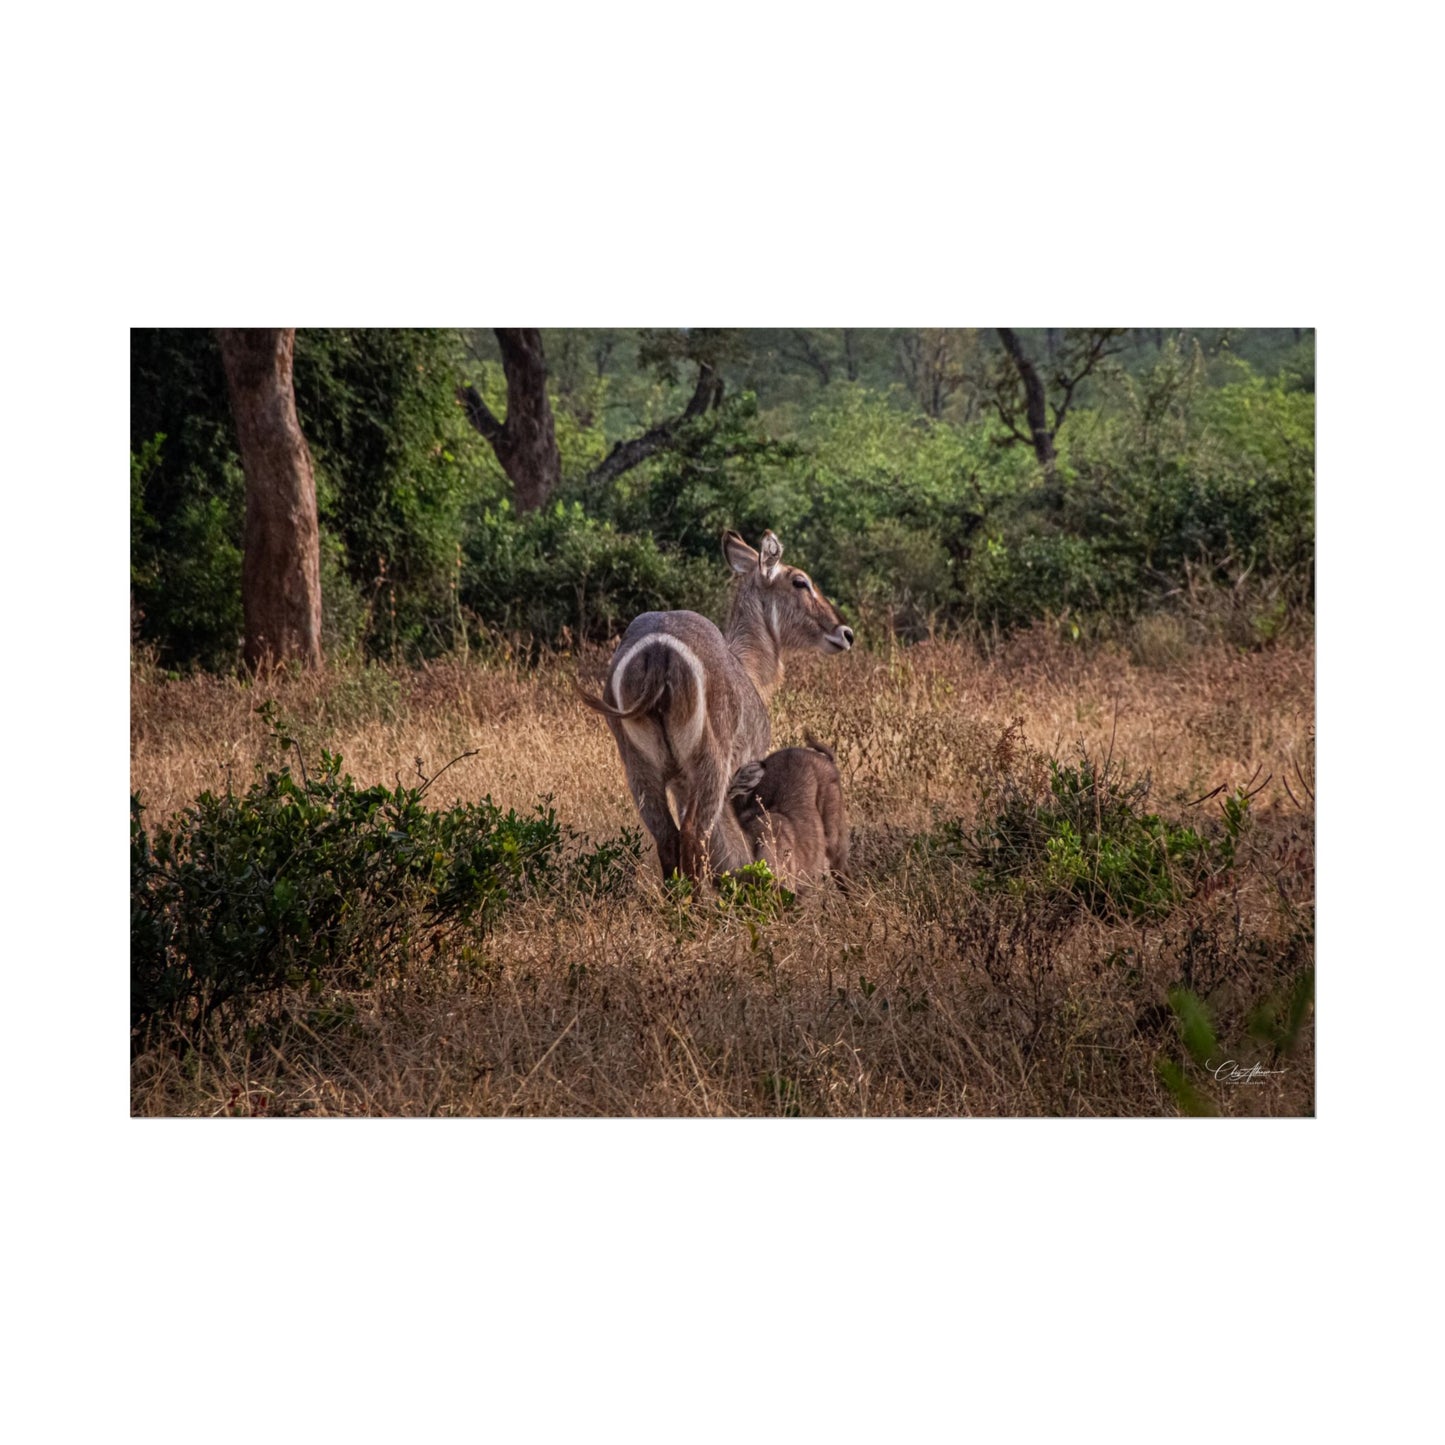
x,y
1184,482
398,472
306,879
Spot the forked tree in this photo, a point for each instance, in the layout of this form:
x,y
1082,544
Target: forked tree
x,y
1032,402
525,440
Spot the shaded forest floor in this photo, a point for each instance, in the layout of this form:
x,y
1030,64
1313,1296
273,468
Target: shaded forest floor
x,y
921,992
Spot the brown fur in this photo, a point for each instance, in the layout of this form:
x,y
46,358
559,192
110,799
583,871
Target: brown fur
x,y
687,703
790,806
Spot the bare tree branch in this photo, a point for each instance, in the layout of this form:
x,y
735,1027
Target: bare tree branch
x,y
479,413
1097,349
525,442
706,396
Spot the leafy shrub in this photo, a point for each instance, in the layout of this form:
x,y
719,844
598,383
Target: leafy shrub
x,y
753,891
557,573
720,471
311,880
609,865
1090,837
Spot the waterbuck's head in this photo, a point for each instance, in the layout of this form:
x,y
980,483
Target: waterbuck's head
x,y
781,603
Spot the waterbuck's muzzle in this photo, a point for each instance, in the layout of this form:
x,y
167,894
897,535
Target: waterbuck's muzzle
x,y
841,638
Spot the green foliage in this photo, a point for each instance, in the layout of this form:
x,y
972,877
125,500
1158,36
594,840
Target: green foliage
x,y
142,525
1196,1032
1189,1100
753,891
188,589
1278,1019
721,471
396,468
1184,484
610,865
678,889
1089,836
187,500
557,574
1176,484
312,880
1170,487
666,352
894,500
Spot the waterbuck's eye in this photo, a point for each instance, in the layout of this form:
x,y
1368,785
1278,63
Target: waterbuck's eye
x,y
800,582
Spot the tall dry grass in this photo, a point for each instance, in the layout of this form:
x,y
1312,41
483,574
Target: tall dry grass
x,y
914,994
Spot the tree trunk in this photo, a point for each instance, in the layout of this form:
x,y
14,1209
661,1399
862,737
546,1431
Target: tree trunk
x,y
1035,401
526,442
281,564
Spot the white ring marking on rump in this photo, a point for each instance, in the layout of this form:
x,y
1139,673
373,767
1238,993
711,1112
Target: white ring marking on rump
x,y
690,731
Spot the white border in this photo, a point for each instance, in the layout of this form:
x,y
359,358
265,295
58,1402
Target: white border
x,y
1263,164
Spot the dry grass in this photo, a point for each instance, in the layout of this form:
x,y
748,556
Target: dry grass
x,y
916,994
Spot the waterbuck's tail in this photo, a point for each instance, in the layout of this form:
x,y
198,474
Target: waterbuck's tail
x,y
818,747
653,686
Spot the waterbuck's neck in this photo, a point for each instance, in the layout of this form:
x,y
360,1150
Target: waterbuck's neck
x,y
752,638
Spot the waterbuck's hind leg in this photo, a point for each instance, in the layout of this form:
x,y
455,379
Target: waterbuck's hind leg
x,y
706,791
664,832
650,794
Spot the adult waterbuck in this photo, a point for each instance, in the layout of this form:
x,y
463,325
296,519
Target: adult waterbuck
x,y
688,704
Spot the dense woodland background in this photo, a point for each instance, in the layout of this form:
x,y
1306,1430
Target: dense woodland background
x,y
936,482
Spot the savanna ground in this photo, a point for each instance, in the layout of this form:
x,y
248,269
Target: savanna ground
x,y
928,989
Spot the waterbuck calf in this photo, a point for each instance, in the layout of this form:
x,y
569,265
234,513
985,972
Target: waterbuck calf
x,y
688,704
790,806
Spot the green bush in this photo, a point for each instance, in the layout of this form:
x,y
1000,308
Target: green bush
x,y
1176,483
312,880
557,573
753,892
609,865
1088,836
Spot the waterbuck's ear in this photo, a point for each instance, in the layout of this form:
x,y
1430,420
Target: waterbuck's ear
x,y
770,554
741,557
746,779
